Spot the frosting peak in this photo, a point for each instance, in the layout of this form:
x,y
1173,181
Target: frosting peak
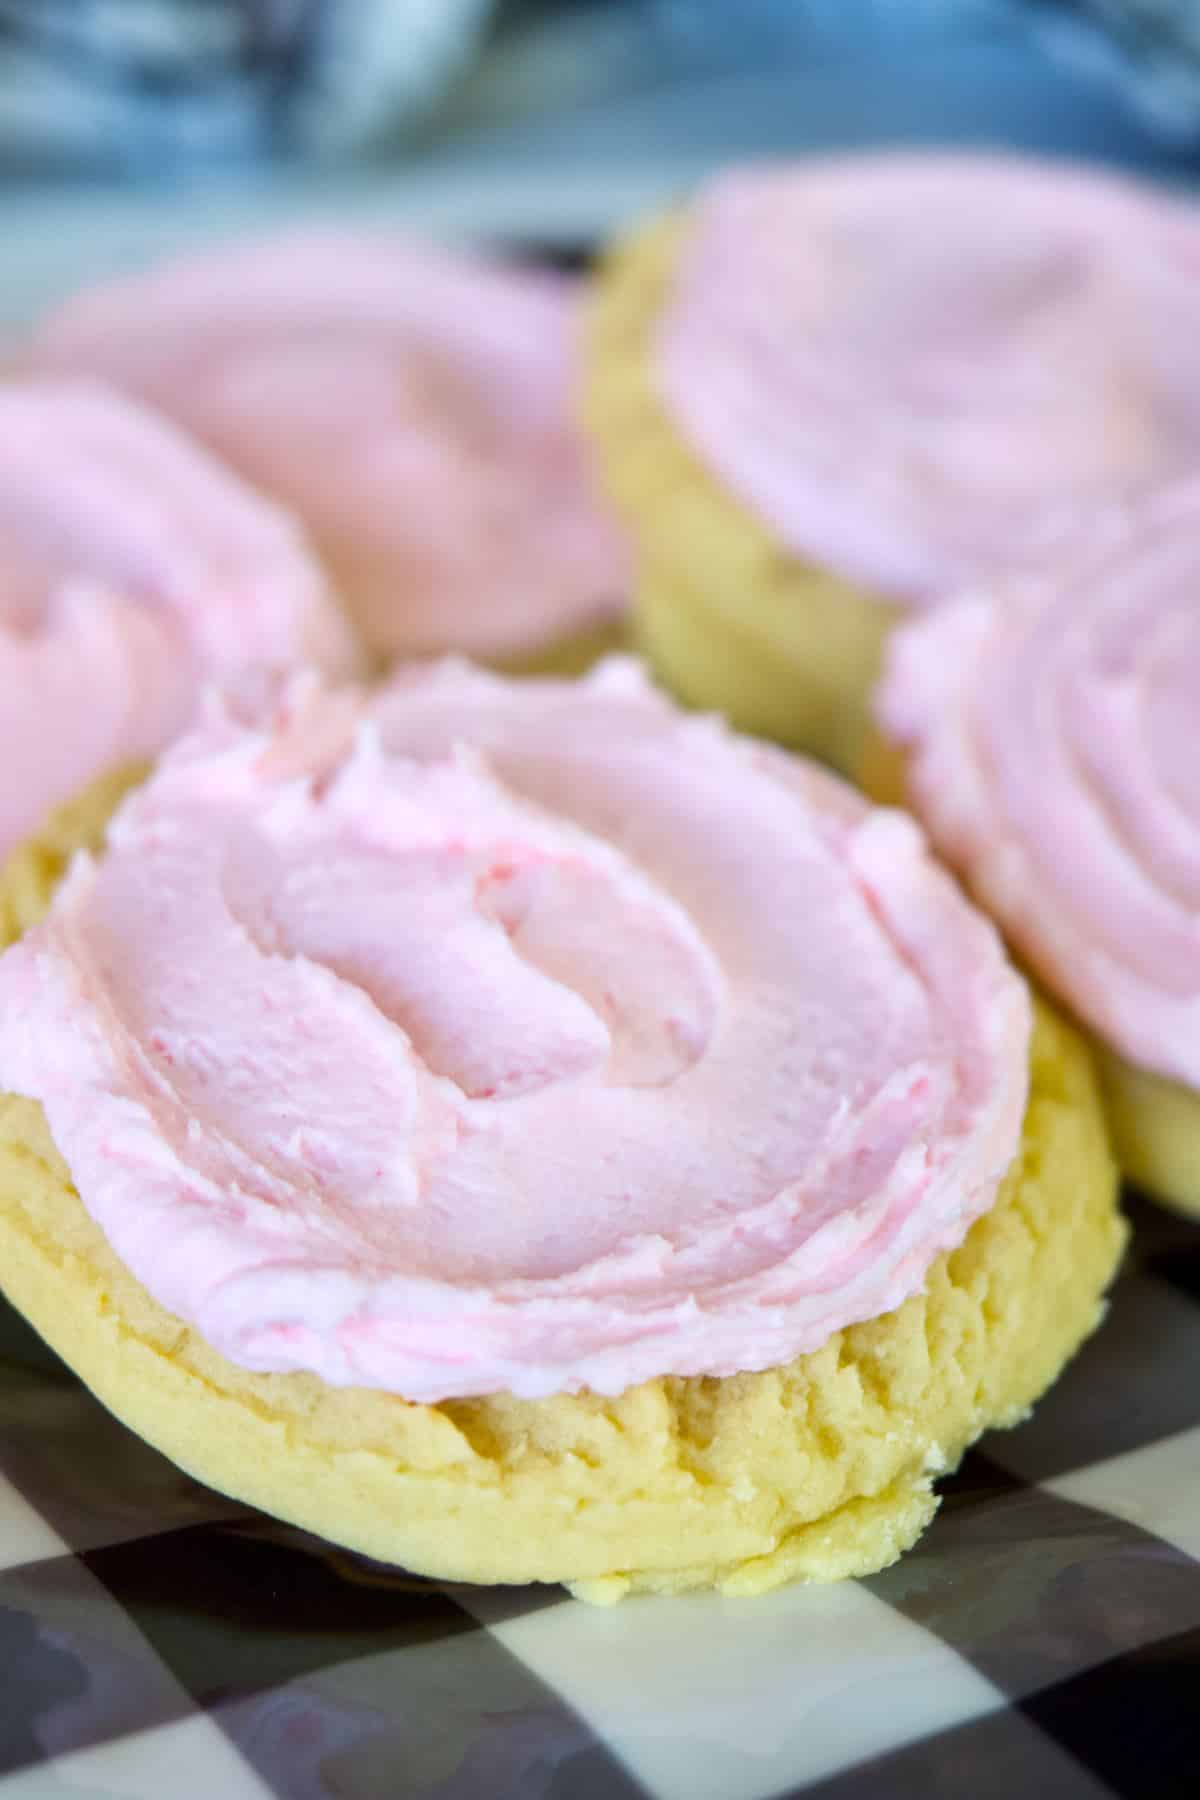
x,y
516,1036
461,891
920,369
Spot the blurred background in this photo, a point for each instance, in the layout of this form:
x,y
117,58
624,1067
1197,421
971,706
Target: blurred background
x,y
129,127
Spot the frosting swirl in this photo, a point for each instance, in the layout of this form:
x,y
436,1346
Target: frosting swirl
x,y
920,369
414,408
132,570
516,1036
1053,737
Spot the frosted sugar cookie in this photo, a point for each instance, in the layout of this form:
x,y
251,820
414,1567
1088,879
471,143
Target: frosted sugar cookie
x,y
829,394
528,1134
1050,737
413,407
133,571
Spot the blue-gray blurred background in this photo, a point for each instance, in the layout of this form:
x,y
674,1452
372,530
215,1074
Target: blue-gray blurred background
x,y
130,126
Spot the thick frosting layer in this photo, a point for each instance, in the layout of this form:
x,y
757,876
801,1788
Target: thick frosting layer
x,y
1053,738
132,570
920,369
516,1036
414,408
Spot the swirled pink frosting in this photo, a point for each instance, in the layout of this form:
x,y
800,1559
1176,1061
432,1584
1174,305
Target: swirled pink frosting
x,y
133,569
919,369
516,1036
413,407
1053,736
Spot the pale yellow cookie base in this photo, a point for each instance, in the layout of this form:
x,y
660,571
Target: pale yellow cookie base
x,y
32,872
814,1471
726,616
1155,1126
573,655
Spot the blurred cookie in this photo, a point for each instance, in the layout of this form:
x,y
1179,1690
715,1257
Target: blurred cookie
x,y
134,570
413,407
828,395
1049,734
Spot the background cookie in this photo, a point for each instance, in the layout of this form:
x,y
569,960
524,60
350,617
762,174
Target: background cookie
x,y
1046,734
413,407
829,395
726,617
135,572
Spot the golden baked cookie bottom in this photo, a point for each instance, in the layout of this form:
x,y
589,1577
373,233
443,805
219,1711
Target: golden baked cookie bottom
x,y
727,617
816,1470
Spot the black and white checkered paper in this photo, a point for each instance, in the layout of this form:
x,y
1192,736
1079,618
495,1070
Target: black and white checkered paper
x,y
158,1642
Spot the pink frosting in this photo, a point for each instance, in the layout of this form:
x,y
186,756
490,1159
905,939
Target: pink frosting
x,y
132,570
1053,735
516,1036
414,408
920,369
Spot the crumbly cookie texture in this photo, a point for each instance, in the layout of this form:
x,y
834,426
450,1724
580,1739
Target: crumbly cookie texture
x,y
817,1470
729,618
